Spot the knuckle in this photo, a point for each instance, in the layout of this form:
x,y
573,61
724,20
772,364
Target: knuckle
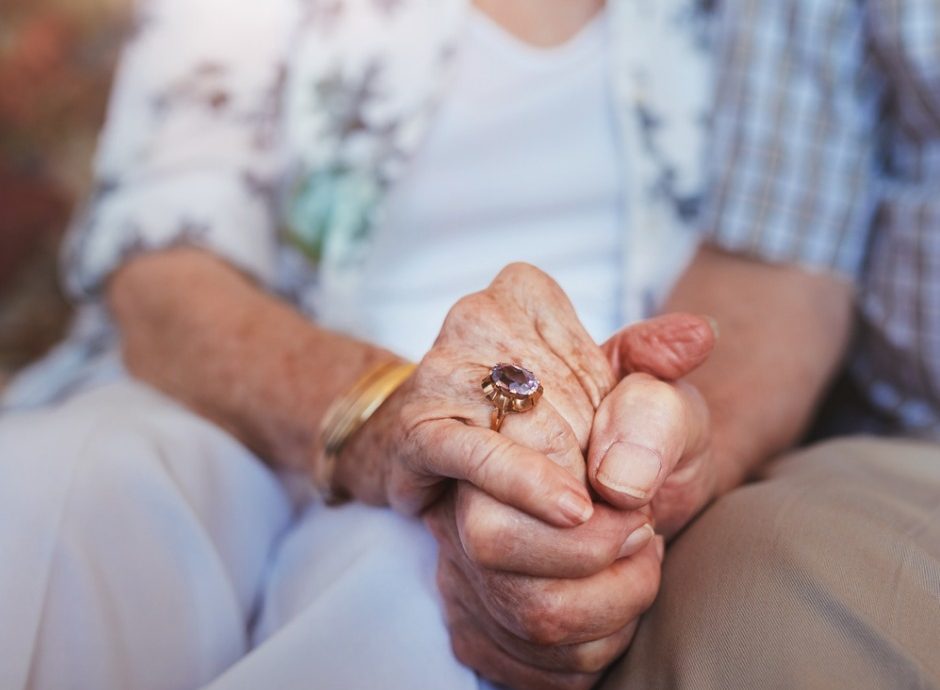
x,y
481,534
544,621
464,316
659,394
596,554
524,280
468,304
520,270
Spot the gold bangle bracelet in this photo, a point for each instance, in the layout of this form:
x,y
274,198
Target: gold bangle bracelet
x,y
347,414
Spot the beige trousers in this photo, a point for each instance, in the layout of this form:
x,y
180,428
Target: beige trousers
x,y
825,574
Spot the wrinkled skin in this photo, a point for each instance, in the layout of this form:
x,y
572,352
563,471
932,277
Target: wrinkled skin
x,y
535,595
436,426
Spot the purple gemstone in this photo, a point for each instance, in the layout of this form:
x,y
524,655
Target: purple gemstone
x,y
514,379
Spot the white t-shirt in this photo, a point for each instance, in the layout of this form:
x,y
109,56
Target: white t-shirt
x,y
520,164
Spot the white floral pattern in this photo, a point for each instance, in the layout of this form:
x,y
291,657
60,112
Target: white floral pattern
x,y
287,129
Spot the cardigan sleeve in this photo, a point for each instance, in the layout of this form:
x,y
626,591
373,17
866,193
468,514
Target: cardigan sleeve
x,y
190,150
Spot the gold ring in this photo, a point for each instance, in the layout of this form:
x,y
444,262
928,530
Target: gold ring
x,y
510,388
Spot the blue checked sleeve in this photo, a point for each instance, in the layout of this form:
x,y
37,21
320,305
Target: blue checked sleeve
x,y
793,169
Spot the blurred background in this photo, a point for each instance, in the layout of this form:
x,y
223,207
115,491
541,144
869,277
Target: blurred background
x,y
56,62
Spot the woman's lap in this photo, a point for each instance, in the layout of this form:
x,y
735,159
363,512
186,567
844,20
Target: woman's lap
x,y
351,602
137,539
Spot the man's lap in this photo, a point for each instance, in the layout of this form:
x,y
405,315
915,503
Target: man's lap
x,y
826,573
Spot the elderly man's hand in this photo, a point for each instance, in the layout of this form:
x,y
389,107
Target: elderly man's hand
x,y
651,440
530,605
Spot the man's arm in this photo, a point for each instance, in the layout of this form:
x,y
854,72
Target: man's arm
x,y
792,167
679,444
793,164
203,333
783,334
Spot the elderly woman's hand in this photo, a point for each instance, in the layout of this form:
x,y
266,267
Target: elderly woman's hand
x,y
437,425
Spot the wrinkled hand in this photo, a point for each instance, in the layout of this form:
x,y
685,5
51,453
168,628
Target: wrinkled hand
x,y
651,441
556,630
533,606
436,425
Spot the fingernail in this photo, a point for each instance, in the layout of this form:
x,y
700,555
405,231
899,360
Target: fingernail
x,y
575,507
638,538
629,469
660,548
713,322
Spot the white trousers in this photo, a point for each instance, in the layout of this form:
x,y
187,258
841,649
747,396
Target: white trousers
x,y
141,547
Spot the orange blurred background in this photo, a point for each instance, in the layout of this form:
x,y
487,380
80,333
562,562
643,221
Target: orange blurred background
x,y
56,63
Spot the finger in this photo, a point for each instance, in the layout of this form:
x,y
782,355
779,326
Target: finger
x,y
462,603
551,612
511,473
547,431
472,649
498,537
549,427
584,658
587,657
641,432
565,394
559,326
475,645
668,347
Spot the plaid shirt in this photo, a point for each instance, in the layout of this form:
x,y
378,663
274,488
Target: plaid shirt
x,y
827,154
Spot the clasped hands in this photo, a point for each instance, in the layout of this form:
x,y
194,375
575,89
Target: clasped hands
x,y
547,549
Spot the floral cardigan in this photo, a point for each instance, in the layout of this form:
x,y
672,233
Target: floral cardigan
x,y
270,133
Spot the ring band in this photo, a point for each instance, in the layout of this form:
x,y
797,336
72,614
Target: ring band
x,y
510,388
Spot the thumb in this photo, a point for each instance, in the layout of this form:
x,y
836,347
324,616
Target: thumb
x,y
668,347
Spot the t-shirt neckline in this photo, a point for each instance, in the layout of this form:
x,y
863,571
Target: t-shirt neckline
x,y
580,43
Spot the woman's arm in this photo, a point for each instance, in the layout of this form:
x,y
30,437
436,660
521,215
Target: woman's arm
x,y
188,159
205,334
